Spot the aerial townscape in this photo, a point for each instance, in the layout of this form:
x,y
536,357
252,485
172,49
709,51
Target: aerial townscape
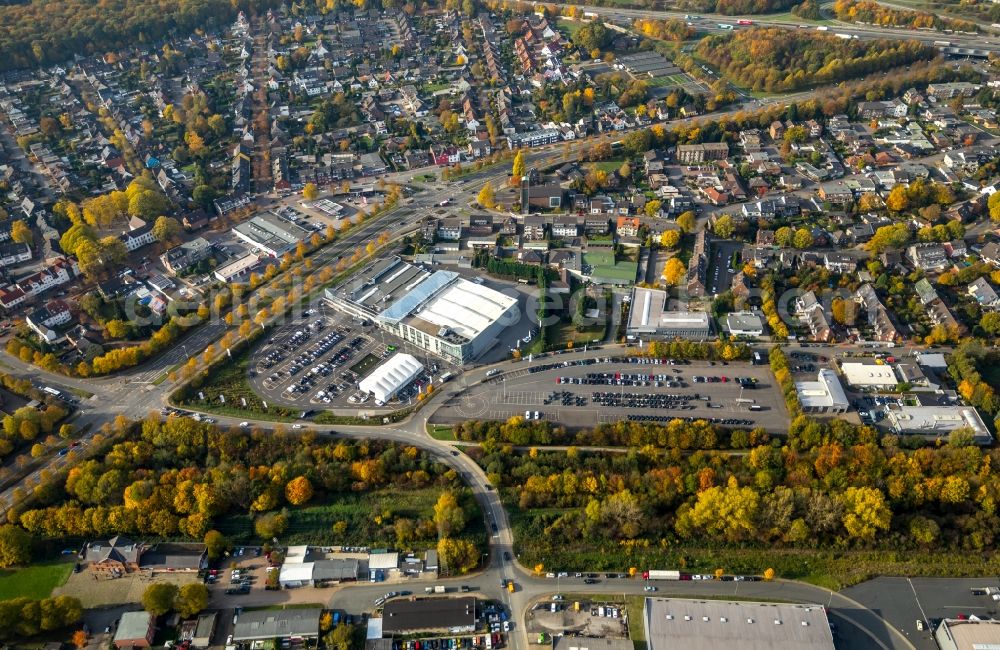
x,y
482,324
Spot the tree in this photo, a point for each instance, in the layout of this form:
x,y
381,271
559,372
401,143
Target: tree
x,y
783,236
165,228
487,197
21,233
448,515
216,544
768,574
687,221
994,206
518,169
802,238
670,238
458,555
80,639
191,599
158,599
340,638
897,200
116,329
674,271
990,322
310,191
652,208
271,524
865,512
15,546
724,227
298,491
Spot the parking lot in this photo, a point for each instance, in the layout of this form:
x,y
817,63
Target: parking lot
x,y
597,619
591,391
317,361
904,601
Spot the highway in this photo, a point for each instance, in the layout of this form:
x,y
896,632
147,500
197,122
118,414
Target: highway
x,y
712,22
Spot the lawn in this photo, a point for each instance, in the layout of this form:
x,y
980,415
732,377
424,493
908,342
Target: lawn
x,y
36,581
609,165
444,432
230,381
569,27
560,335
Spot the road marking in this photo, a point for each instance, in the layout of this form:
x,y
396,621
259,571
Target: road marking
x,y
923,615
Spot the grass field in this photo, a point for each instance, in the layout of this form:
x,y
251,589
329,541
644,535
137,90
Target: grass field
x,y
569,27
35,581
609,165
441,431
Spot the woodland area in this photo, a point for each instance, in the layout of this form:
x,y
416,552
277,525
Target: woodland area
x,y
181,479
831,487
872,13
772,59
43,32
737,7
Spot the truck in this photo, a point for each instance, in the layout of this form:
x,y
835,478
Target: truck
x,y
439,589
51,391
661,574
942,43
822,28
445,377
846,37
744,21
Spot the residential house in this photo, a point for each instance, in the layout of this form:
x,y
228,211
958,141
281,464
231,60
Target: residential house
x,y
181,258
984,294
566,226
12,253
114,557
628,226
44,319
928,256
699,153
810,311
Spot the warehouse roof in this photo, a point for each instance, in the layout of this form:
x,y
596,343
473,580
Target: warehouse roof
x,y
735,625
274,624
582,643
386,380
868,374
134,625
383,560
466,307
296,572
400,616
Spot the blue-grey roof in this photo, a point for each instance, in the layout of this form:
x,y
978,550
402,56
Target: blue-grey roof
x,y
419,295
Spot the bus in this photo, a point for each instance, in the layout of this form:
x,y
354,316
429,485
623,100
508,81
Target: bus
x,y
445,377
51,391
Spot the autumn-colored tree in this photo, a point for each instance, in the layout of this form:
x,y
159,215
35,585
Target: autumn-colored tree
x,y
448,515
518,169
298,491
687,221
116,329
15,546
487,197
310,191
191,599
158,599
674,271
79,639
21,233
670,238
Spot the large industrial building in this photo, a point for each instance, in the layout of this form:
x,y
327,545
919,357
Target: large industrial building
x,y
938,421
972,633
825,395
453,615
649,318
869,375
439,311
270,234
735,625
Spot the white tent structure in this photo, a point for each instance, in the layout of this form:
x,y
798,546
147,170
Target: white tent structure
x,y
391,376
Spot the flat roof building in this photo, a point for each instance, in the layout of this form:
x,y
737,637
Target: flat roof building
x,y
744,323
270,234
868,375
135,630
735,625
429,614
825,395
439,312
583,643
263,625
391,377
648,318
968,634
386,561
939,420
237,269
